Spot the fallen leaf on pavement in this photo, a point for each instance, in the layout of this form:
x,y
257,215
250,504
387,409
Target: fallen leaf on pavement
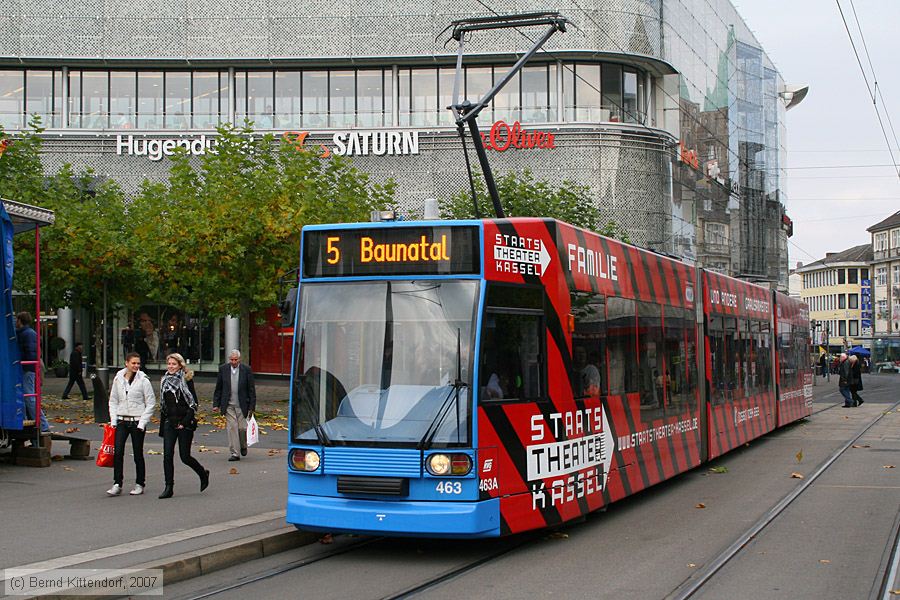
x,y
558,535
860,446
153,452
202,449
799,456
700,505
796,475
824,561
215,451
56,457
71,430
68,469
889,466
719,469
692,565
233,471
326,539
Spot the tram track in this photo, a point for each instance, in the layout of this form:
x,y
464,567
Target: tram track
x,y
213,591
696,582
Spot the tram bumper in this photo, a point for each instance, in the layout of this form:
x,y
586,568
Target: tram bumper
x,y
411,518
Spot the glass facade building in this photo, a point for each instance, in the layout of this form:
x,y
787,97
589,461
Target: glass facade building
x,y
668,110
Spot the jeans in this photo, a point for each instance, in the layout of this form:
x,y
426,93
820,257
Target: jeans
x,y
123,430
184,437
31,401
848,397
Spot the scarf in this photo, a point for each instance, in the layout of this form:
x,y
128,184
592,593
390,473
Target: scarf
x,y
176,384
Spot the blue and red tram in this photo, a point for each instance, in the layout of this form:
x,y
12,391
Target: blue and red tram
x,y
484,378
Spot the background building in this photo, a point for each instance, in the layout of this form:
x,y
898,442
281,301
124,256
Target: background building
x,y
836,288
669,110
886,284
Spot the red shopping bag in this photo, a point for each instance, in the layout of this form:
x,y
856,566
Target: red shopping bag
x,y
107,448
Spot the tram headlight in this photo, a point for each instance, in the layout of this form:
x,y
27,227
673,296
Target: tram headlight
x,y
305,460
449,464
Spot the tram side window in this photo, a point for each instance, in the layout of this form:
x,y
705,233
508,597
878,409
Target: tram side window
x,y
764,356
651,354
511,357
724,357
681,358
621,329
588,345
786,355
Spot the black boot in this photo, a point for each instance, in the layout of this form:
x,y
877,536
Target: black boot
x,y
167,493
204,479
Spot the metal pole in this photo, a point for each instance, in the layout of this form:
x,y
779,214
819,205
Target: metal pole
x,y
103,321
38,371
486,168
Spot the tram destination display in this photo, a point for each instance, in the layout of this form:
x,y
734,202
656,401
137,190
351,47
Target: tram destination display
x,y
386,251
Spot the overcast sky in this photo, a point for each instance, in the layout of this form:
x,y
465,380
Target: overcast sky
x,y
836,125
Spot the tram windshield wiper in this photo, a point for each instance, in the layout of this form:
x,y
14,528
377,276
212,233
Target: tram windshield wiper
x,y
457,385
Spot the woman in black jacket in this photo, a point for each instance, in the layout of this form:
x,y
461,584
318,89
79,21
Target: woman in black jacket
x,y
178,401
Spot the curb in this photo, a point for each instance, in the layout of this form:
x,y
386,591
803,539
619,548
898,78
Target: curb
x,y
214,558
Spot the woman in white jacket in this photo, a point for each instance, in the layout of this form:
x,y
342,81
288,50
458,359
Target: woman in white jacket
x,y
131,404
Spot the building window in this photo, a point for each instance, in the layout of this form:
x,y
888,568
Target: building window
x,y
842,328
210,99
842,301
841,276
895,238
41,96
178,101
507,102
853,301
12,99
315,98
419,95
881,240
895,277
539,94
853,276
372,88
150,100
123,99
881,276
341,99
854,328
863,275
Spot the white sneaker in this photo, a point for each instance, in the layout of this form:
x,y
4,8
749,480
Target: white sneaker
x,y
137,491
115,490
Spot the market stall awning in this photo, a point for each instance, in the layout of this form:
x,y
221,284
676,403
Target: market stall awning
x,y
26,217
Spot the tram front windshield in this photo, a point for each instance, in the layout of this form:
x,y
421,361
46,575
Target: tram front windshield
x,y
384,363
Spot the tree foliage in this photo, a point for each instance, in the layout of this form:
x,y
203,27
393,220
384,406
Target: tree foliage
x,y
521,195
216,238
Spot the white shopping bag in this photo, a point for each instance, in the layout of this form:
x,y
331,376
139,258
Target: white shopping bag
x,y
252,431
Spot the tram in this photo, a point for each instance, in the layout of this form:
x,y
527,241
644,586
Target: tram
x,y
484,378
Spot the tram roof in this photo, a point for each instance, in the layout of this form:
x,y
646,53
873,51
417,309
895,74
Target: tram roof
x,y
26,217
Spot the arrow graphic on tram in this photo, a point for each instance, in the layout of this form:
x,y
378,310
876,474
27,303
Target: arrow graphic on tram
x,y
523,260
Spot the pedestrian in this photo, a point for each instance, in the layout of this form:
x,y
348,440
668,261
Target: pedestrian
x,y
75,360
26,337
131,404
844,380
855,381
235,397
177,421
823,364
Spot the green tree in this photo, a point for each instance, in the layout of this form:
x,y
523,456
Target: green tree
x,y
216,238
521,195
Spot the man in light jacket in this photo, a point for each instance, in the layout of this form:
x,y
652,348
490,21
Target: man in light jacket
x,y
235,397
131,404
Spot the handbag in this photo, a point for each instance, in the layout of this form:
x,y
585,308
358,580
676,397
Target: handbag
x,y
107,452
252,431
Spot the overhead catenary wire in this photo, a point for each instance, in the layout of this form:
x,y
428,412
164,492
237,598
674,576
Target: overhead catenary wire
x,y
872,92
